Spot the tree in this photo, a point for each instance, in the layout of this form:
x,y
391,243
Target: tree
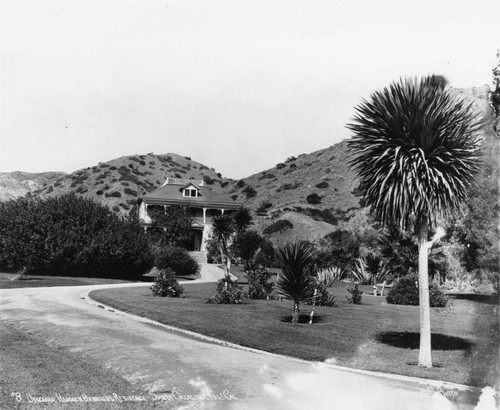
x,y
295,281
171,224
246,246
222,230
242,220
416,150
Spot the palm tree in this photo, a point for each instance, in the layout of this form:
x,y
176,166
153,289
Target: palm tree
x,y
222,230
295,281
415,149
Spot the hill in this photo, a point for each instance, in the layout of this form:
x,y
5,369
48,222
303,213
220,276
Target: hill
x,y
315,192
119,182
17,183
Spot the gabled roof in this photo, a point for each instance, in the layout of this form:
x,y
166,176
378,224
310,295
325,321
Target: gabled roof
x,y
171,193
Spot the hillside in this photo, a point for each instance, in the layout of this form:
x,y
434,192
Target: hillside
x,y
275,194
16,184
119,182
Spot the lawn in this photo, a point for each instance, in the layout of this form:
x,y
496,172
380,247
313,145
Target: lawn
x,y
30,367
35,281
372,336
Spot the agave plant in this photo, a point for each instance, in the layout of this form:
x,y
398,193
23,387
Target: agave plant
x,y
415,150
359,273
376,267
330,275
295,280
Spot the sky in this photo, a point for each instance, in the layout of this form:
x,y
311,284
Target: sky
x,y
238,85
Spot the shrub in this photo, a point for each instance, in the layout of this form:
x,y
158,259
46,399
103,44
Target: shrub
x,y
177,259
240,183
130,191
250,192
259,285
405,292
323,296
208,180
313,199
280,165
167,285
246,245
322,185
355,295
114,194
278,226
71,236
99,192
228,292
289,159
287,187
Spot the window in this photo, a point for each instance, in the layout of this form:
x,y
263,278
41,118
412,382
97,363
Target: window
x,y
191,192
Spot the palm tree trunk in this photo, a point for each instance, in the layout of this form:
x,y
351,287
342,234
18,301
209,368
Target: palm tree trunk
x,y
295,315
424,355
223,257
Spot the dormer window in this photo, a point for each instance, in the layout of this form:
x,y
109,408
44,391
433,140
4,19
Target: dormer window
x,y
190,192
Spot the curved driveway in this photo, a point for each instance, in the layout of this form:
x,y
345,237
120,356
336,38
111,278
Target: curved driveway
x,y
170,365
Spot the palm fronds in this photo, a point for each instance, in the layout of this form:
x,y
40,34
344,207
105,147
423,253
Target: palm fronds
x,y
359,272
295,279
415,149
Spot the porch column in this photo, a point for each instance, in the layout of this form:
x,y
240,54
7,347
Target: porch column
x,y
204,216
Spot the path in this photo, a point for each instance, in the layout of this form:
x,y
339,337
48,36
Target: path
x,y
165,361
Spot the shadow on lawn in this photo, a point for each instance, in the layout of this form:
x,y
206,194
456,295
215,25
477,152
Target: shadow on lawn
x,y
303,319
411,340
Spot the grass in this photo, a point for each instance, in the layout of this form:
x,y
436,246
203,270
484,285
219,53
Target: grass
x,y
36,281
373,336
31,367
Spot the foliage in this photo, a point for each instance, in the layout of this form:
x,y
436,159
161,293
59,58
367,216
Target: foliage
x,y
400,251
322,184
376,267
339,248
313,199
266,255
177,259
331,275
71,236
295,280
212,250
355,297
228,292
173,223
415,149
242,219
278,226
360,274
250,192
222,231
259,285
167,285
246,245
405,292
323,296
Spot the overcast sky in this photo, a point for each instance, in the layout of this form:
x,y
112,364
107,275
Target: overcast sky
x,y
238,85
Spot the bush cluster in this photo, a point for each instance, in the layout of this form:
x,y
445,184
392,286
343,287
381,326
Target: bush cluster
x,y
177,259
167,285
323,296
355,297
228,292
259,285
405,292
71,236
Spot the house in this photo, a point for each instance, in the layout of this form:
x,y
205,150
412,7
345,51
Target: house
x,y
203,204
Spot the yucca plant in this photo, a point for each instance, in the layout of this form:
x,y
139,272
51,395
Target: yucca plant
x,y
330,275
376,267
222,230
295,280
359,273
415,150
